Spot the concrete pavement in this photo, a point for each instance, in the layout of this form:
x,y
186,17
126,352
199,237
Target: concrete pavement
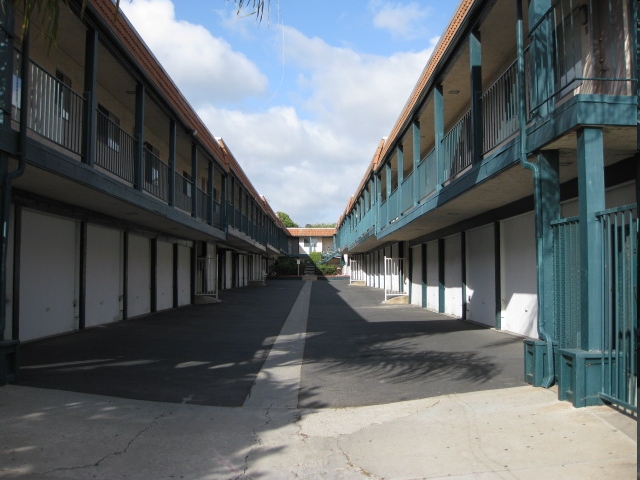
x,y
506,432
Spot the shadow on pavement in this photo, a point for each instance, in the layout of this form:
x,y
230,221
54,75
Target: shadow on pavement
x,y
357,351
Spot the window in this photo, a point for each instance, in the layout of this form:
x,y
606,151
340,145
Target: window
x,y
108,128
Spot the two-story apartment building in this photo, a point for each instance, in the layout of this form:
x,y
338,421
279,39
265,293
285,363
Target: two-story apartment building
x,y
506,193
116,199
311,240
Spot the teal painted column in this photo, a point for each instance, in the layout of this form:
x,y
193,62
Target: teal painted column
x,y
441,279
410,269
591,200
139,136
547,209
388,179
210,173
475,56
497,272
541,80
378,183
194,179
463,272
172,163
400,168
438,125
424,274
90,93
416,162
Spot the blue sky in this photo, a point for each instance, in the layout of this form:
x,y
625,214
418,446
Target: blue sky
x,y
302,98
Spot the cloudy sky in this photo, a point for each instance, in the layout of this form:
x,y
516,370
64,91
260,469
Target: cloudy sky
x,y
303,97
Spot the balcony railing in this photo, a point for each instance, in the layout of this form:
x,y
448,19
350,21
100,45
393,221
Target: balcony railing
x,y
428,175
407,192
156,175
115,149
204,205
183,193
457,147
500,109
55,110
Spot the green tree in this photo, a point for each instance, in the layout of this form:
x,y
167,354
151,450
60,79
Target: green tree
x,y
320,225
286,219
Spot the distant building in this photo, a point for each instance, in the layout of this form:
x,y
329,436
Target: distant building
x,y
311,240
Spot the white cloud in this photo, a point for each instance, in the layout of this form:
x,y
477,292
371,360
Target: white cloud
x,y
309,167
400,19
306,156
206,68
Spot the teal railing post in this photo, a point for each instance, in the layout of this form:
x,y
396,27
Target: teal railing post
x,y
139,136
90,93
547,209
591,201
475,56
438,125
416,162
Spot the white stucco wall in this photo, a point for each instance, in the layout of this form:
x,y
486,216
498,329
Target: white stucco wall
x,y
164,279
452,276
614,197
481,275
104,275
433,289
139,274
518,271
49,278
416,281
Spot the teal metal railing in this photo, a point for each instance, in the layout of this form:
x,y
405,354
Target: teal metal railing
x,y
500,109
114,149
457,147
620,258
580,47
407,193
566,234
55,110
156,175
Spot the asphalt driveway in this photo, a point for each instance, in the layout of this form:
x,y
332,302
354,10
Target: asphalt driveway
x,y
357,351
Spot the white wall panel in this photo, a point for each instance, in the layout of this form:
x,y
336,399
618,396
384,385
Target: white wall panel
x,y
104,276
164,280
481,276
519,282
433,288
139,276
416,281
48,275
452,276
184,275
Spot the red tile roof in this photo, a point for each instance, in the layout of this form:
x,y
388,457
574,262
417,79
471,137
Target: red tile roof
x,y
445,42
312,232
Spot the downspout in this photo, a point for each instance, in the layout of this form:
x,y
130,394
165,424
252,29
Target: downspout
x,y
12,175
537,192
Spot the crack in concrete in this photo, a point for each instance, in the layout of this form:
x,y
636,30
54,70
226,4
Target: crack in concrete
x,y
257,443
112,454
